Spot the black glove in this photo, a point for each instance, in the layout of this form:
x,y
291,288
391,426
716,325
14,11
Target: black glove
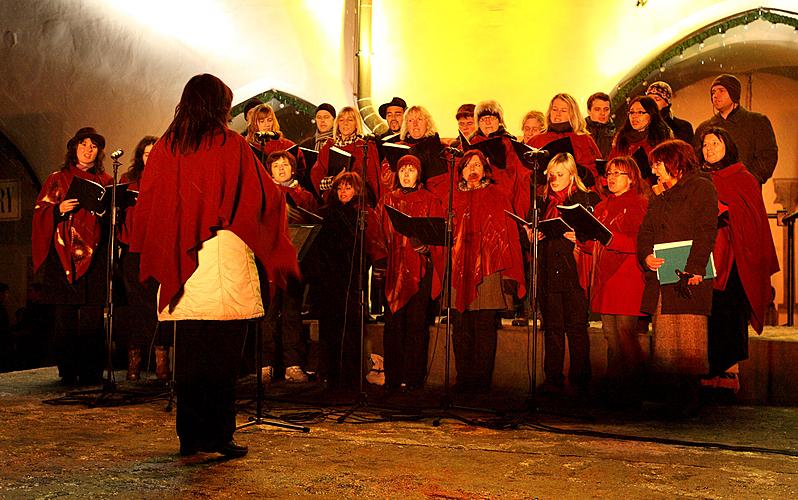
x,y
682,287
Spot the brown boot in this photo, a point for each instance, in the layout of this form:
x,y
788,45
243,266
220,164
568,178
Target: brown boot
x,y
162,362
133,364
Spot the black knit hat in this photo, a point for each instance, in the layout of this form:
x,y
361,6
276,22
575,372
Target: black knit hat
x,y
325,106
252,103
464,111
90,133
396,101
731,84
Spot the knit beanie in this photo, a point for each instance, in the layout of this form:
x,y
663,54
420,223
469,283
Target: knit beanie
x,y
409,160
731,84
326,107
661,89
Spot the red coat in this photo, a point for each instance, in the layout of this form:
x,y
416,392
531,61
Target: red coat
x,y
618,280
373,169
485,242
585,149
76,236
406,267
746,239
185,199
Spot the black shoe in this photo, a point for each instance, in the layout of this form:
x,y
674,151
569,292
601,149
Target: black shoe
x,y
188,449
230,449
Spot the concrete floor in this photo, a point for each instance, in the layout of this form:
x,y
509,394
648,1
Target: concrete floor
x,y
51,451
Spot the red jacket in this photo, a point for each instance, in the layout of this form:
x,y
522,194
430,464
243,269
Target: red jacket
x,y
76,236
406,267
618,280
746,239
485,242
373,169
185,199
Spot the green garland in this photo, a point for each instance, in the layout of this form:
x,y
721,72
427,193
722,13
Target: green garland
x,y
297,103
635,85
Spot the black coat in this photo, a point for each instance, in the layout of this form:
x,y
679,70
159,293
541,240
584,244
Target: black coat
x,y
558,269
687,211
682,129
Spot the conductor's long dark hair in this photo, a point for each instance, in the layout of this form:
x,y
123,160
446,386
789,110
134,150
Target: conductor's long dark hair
x,y
137,166
656,132
203,111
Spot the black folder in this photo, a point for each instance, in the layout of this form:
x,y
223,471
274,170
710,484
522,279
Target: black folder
x,y
382,141
393,152
586,226
95,197
298,215
428,150
550,228
493,149
339,161
427,230
311,155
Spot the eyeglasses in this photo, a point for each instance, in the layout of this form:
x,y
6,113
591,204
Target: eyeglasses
x,y
488,118
637,113
610,175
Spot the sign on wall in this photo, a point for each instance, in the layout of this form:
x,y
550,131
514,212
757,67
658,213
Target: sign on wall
x,y
10,205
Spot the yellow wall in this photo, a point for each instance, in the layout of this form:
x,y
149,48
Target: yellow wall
x,y
441,54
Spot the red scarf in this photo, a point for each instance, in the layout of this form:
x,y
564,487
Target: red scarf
x,y
556,198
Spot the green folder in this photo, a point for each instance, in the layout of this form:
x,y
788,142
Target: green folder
x,y
675,255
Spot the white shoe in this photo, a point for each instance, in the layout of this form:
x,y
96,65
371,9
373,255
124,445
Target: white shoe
x,y
267,373
295,375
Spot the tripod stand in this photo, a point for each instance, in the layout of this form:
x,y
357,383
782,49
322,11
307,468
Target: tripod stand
x,y
258,419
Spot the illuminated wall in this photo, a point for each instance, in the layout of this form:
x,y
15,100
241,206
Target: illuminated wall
x,y
441,54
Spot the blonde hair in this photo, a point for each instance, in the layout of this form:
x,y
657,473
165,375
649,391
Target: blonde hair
x,y
537,115
344,111
419,110
252,125
567,161
577,121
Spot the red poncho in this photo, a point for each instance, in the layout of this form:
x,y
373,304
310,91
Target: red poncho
x,y
77,236
185,199
485,242
746,240
406,267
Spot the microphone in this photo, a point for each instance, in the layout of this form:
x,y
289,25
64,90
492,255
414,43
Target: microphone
x,y
535,153
454,152
267,136
116,154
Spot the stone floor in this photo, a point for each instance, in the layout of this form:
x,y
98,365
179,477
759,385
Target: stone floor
x,y
71,450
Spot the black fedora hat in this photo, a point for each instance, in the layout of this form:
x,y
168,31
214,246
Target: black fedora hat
x,y
396,101
90,133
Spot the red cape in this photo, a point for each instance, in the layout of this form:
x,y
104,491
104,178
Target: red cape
x,y
77,236
485,242
406,267
185,199
747,238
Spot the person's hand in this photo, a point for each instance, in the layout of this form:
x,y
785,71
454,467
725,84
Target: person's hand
x,y
695,280
529,231
570,236
654,263
67,205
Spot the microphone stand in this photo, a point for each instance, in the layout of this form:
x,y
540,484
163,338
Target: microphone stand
x,y
362,399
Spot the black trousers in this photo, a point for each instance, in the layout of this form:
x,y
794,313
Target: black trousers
x,y
565,313
79,342
282,328
207,355
406,338
728,325
474,339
